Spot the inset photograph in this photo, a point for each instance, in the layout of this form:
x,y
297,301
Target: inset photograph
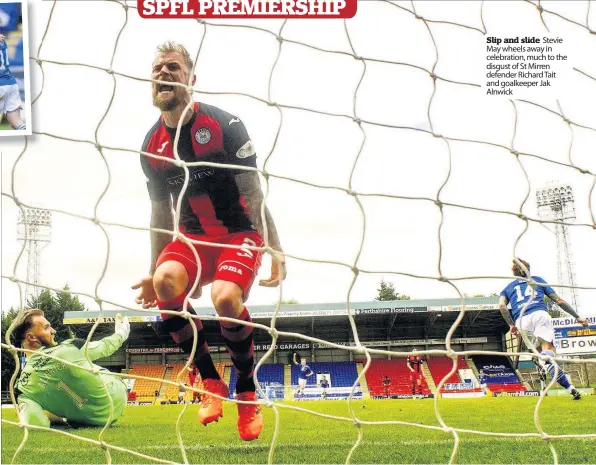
x,y
15,98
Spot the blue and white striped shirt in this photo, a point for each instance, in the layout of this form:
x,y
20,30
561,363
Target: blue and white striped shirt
x,y
6,78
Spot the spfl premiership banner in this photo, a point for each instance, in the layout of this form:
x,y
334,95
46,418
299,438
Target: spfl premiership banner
x,y
247,8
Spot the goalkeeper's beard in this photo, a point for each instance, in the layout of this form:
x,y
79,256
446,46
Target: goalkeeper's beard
x,y
166,105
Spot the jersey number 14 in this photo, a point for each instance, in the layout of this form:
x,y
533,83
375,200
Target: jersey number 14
x,y
520,297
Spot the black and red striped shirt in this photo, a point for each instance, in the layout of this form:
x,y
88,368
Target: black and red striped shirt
x,y
415,362
212,204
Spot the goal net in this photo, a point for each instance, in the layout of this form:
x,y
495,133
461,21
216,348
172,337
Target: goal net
x,y
380,155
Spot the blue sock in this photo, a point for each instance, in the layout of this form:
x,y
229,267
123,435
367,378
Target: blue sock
x,y
551,367
21,127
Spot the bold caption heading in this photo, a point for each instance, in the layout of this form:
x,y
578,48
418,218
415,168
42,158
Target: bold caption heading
x,y
247,8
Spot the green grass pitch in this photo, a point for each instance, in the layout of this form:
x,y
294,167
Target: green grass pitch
x,y
4,127
304,438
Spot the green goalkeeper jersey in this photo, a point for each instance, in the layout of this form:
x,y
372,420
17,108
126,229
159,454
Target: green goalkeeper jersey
x,y
69,392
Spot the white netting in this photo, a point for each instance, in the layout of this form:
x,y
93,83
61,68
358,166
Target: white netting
x,y
409,90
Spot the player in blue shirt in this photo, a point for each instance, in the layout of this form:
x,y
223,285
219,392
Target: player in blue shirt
x,y
10,99
482,380
324,386
536,321
305,372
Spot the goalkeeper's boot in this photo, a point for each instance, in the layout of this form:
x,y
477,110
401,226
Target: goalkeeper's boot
x,y
211,408
250,418
575,394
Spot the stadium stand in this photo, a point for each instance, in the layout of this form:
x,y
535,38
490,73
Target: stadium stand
x,y
172,391
145,387
271,379
500,376
342,374
439,366
399,373
377,322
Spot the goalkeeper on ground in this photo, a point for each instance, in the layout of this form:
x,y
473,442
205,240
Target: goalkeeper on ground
x,y
51,391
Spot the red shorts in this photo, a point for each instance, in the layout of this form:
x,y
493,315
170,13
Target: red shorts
x,y
238,266
417,375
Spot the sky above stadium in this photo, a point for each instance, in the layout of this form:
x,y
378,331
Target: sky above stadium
x,y
233,70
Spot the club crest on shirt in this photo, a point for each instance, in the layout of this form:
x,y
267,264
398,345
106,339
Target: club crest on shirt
x,y
203,136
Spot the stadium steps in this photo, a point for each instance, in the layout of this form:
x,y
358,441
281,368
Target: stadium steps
x,y
227,375
526,384
429,379
172,391
515,365
164,387
472,366
288,394
363,383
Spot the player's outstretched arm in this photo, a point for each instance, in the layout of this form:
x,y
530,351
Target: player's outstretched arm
x,y
108,345
506,315
161,218
294,358
250,188
567,308
32,413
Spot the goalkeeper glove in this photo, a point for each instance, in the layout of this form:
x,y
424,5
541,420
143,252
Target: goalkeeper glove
x,y
122,326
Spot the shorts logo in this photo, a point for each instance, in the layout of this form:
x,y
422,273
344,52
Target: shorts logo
x,y
203,136
245,252
230,268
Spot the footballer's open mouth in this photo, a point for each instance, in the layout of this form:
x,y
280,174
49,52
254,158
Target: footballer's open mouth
x,y
163,88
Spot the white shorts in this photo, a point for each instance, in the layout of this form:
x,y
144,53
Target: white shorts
x,y
537,325
10,99
302,383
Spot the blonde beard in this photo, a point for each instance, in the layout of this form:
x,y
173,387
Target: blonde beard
x,y
166,105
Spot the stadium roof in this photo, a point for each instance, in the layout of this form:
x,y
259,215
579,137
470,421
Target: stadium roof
x,y
309,310
386,320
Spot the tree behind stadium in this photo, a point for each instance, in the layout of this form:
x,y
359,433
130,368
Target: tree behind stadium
x,y
53,305
387,291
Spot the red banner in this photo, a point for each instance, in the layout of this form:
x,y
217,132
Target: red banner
x,y
247,8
